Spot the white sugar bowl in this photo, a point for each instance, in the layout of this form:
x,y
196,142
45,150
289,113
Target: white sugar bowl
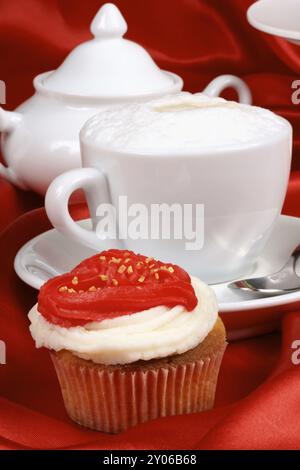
x,y
40,140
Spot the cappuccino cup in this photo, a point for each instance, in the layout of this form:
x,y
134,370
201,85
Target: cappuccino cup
x,y
188,179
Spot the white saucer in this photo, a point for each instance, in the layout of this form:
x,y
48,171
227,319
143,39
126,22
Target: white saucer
x,y
51,254
277,17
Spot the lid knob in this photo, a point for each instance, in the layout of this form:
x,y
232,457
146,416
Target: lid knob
x,y
109,22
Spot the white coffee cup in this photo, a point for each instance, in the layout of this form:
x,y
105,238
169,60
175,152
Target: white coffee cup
x,y
241,185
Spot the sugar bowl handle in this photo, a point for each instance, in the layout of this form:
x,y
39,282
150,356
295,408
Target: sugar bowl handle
x,y
8,122
222,82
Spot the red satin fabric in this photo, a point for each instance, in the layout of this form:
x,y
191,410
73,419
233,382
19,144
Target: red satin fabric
x,y
257,405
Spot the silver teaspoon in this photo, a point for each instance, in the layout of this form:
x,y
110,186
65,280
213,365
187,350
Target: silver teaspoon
x,y
284,281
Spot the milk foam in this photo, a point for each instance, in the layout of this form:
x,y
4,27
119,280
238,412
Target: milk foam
x,y
181,123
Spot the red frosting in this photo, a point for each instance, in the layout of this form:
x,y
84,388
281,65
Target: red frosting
x,y
111,284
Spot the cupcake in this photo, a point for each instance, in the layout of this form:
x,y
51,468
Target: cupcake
x,y
131,338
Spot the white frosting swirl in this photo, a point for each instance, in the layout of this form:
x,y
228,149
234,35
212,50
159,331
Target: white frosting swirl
x,y
154,333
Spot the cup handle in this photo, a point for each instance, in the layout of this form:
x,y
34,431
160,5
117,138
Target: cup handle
x,y
94,184
222,82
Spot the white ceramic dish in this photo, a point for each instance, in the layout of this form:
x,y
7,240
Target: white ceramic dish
x,y
277,17
219,170
99,74
50,254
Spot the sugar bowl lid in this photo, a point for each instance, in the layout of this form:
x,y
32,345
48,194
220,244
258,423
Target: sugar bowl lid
x,y
109,65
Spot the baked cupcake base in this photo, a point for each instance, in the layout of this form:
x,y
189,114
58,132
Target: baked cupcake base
x,y
112,399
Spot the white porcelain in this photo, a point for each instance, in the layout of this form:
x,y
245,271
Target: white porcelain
x,y
277,17
242,187
109,65
43,133
51,254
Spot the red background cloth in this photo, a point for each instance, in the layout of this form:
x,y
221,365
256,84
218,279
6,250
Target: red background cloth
x,y
258,395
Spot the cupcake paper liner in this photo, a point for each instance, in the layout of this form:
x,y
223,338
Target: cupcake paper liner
x,y
112,401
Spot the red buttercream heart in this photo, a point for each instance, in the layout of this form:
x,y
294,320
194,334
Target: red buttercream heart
x,y
111,284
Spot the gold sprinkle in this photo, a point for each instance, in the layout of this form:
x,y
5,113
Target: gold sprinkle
x,y
154,270
164,268
115,260
72,291
170,269
141,279
102,258
148,260
156,276
127,260
151,266
115,282
126,254
93,289
75,281
103,277
122,269
129,269
63,289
